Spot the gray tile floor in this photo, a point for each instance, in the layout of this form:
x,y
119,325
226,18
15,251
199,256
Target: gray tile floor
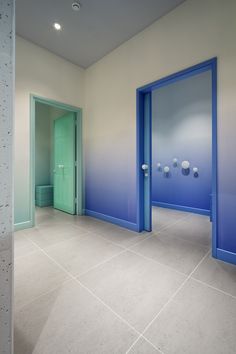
x,y
86,286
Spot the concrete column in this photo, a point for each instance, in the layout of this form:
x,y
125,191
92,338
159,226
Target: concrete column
x,y
7,40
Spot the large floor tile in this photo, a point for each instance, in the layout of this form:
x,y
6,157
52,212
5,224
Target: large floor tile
x,y
197,230
50,234
181,255
35,274
143,347
42,210
162,217
134,287
199,320
79,254
170,212
91,224
70,320
121,236
45,218
218,274
22,246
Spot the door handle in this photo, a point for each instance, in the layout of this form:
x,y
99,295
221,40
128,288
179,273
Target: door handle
x,y
144,167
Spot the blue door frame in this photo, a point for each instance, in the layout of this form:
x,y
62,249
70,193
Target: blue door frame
x,y
143,96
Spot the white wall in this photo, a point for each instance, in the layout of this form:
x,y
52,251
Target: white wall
x,y
195,31
44,74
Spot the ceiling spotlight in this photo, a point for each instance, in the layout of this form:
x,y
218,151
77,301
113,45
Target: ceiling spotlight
x,y
57,26
76,6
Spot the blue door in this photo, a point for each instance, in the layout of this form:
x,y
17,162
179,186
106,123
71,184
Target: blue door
x,y
147,160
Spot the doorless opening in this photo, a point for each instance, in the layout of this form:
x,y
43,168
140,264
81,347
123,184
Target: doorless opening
x,y
144,148
56,156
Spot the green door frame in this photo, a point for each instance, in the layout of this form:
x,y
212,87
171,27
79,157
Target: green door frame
x,y
79,152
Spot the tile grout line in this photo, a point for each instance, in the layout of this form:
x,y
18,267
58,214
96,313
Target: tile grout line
x,y
147,340
141,335
123,251
157,262
56,243
76,276
213,287
144,239
44,294
101,263
72,277
167,303
86,231
24,255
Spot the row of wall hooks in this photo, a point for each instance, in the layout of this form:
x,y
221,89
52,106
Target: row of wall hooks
x,y
185,165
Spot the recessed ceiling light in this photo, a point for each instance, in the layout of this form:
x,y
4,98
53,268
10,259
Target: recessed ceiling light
x,y
57,26
76,6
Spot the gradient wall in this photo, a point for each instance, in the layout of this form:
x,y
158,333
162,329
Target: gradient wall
x,y
192,33
195,31
181,128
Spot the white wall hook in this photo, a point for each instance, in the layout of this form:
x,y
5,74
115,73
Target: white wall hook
x,y
185,164
166,169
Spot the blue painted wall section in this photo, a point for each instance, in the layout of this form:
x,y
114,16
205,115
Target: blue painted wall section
x,y
181,128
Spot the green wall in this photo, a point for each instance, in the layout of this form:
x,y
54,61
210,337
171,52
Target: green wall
x,y
44,118
42,144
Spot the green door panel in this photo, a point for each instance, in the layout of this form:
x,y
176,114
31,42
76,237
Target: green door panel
x,y
64,163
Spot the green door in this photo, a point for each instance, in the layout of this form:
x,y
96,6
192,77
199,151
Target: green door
x,y
64,163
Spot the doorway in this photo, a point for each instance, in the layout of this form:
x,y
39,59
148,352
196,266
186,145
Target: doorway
x,y
172,166
56,157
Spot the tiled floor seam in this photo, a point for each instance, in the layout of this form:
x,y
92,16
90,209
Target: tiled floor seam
x,y
91,292
213,287
101,263
58,242
147,340
167,303
188,241
128,248
152,233
182,218
43,294
105,239
157,262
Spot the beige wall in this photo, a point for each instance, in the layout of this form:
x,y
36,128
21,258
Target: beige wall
x,y
44,74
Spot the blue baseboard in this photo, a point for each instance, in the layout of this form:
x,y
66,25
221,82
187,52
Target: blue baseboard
x,y
226,256
112,220
182,208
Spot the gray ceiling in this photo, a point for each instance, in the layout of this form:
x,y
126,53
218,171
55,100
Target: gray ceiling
x,y
98,28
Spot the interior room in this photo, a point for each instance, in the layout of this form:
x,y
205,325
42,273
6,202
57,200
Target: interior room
x,y
182,155
117,177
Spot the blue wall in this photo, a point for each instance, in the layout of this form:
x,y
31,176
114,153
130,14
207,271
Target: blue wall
x,y
181,128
